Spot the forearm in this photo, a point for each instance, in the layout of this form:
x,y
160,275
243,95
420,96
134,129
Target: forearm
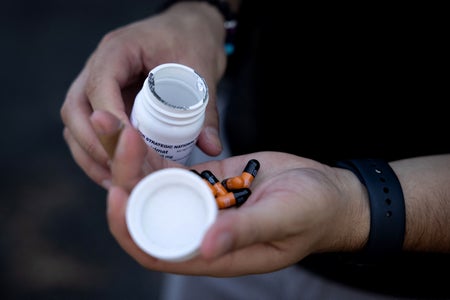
x,y
234,5
195,36
226,6
426,187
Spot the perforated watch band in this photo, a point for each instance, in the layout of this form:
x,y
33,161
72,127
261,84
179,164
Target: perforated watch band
x,y
387,205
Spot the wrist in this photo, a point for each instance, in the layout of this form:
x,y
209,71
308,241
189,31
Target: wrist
x,y
386,203
225,11
352,230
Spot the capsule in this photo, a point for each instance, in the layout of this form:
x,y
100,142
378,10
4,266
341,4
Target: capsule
x,y
234,198
245,179
212,188
217,187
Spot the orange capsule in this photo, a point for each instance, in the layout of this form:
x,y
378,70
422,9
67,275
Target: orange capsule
x,y
213,189
219,189
245,179
235,198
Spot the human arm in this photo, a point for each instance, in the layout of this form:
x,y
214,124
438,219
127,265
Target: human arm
x,y
297,207
190,33
425,184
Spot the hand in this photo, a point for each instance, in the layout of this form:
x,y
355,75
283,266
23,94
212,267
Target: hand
x,y
189,33
297,207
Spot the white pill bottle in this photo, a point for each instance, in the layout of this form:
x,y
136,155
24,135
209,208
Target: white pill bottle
x,y
169,110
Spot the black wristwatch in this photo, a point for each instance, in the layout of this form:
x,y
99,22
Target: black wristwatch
x,y
387,205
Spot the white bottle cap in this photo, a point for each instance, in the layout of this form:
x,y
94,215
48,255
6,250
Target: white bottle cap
x,y
168,213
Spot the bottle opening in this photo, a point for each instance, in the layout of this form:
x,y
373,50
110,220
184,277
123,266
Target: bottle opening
x,y
178,86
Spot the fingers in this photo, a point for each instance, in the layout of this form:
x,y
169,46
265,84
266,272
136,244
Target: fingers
x,y
236,229
105,93
114,67
246,261
75,114
98,172
129,159
80,136
245,242
96,87
262,223
116,210
108,129
209,138
241,239
116,216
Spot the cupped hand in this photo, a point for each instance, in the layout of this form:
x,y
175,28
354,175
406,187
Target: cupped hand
x,y
297,207
188,33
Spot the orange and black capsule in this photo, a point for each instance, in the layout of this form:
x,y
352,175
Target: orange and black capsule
x,y
211,187
217,187
245,179
234,198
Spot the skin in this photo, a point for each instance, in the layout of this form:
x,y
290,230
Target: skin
x,y
115,71
297,207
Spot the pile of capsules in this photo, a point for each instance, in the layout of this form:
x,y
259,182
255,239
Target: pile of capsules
x,y
232,191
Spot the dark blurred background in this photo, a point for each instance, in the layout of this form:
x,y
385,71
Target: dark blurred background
x,y
55,243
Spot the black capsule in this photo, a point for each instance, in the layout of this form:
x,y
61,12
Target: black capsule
x,y
252,167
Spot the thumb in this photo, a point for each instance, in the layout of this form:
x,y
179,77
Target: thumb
x,y
238,228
